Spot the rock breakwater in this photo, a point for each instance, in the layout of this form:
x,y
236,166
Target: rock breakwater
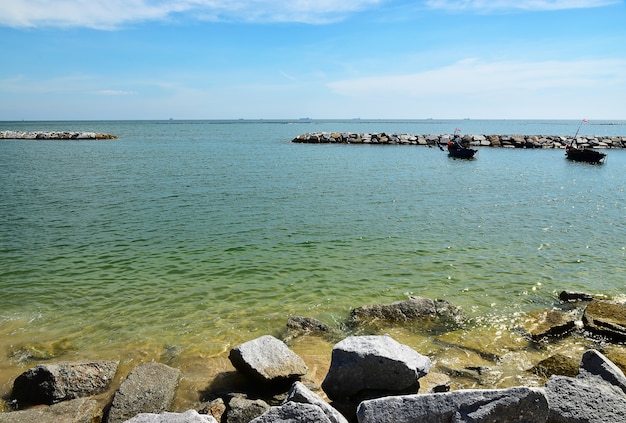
x,y
479,140
55,135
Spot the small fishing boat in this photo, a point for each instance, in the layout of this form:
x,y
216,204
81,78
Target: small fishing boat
x,y
588,155
583,155
457,151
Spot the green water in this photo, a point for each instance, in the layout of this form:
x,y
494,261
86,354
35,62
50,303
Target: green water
x,y
187,238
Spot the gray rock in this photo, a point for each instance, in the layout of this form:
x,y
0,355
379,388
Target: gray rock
x,y
267,359
292,412
301,394
514,405
51,383
410,309
243,410
606,318
190,416
584,400
80,410
373,363
149,388
595,364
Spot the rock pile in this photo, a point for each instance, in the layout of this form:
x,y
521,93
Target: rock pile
x,y
371,379
480,140
43,135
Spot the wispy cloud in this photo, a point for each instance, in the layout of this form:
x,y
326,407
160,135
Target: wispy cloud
x,y
109,14
473,76
528,5
115,92
488,88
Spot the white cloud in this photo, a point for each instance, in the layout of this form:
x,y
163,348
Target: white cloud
x,y
473,85
109,14
494,5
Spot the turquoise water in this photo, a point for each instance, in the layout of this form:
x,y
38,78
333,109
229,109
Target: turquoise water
x,y
203,234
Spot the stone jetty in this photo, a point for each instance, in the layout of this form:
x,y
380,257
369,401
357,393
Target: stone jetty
x,y
480,140
371,378
55,135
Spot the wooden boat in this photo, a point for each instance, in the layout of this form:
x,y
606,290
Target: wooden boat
x,y
583,155
457,151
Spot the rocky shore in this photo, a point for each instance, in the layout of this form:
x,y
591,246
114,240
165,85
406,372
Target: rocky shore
x,y
481,140
371,377
43,135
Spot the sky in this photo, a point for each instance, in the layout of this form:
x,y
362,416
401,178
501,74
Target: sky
x,y
320,59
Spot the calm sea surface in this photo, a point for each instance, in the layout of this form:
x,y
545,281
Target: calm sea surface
x,y
185,238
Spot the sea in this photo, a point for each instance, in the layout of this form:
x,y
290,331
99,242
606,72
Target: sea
x,y
181,239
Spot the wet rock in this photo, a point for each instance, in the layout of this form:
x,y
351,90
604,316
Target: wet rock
x,y
573,296
149,388
373,365
51,383
242,410
40,351
411,309
307,325
190,416
557,364
520,404
491,343
304,326
80,410
543,323
267,359
606,318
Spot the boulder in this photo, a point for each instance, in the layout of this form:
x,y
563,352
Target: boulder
x,y
520,404
606,318
299,393
410,309
242,410
80,410
149,388
373,365
595,364
583,400
51,383
293,412
543,323
267,359
190,416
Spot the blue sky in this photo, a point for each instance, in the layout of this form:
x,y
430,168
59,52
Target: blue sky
x,y
287,59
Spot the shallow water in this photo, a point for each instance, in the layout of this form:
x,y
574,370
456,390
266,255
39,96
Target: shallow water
x,y
179,240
